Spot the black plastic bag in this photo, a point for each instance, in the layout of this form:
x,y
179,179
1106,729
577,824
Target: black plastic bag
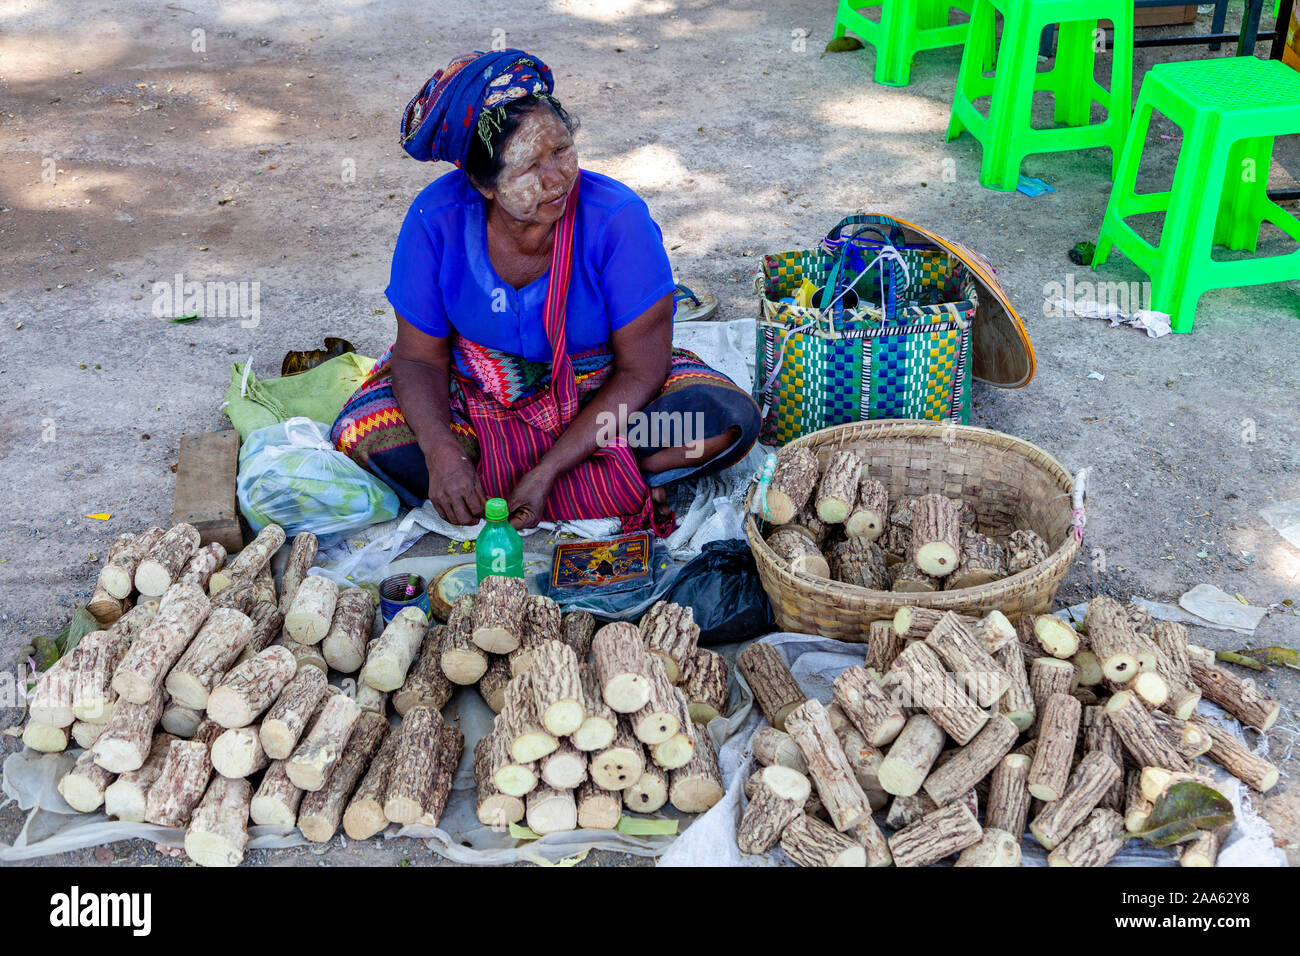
x,y
722,587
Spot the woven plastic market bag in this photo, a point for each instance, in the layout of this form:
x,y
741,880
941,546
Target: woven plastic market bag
x,y
891,331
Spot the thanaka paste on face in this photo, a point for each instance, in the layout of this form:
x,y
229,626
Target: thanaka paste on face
x,y
520,190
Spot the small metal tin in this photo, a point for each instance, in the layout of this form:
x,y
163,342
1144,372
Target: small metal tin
x,y
392,595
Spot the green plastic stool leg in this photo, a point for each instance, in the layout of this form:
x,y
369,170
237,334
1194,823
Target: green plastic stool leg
x,y
898,20
1072,76
1013,96
1245,182
970,73
1119,110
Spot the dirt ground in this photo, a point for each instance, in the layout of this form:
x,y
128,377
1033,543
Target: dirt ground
x,y
264,149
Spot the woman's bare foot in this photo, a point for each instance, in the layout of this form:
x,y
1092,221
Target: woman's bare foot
x,y
659,499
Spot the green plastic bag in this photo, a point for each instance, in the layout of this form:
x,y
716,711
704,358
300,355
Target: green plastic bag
x,y
318,394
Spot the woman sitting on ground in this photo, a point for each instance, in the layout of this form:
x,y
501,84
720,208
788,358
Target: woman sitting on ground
x,y
535,309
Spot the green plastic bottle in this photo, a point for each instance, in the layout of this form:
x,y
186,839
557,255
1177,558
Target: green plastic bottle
x,y
498,549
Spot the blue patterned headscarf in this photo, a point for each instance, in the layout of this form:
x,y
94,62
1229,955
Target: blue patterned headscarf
x,y
468,99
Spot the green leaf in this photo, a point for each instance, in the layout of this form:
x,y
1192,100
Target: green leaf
x,y
640,826
1182,810
185,319
82,623
843,45
520,832
1277,656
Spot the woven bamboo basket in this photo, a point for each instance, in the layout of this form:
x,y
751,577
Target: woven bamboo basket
x,y
1011,484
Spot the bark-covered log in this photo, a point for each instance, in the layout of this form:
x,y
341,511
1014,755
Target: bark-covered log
x,y
556,681
1089,783
117,576
207,658
551,811
597,809
255,556
344,644
427,684
391,654
1017,704
243,596
1183,735
1236,758
577,630
450,745
920,675
364,816
565,767
83,786
907,578
510,776
95,660
325,743
1112,638
670,634
792,484
1048,676
264,581
1171,639
1203,850
863,758
144,667
1087,668
883,646
180,721
809,842
1058,732
183,780
904,811
776,747
251,687
218,833
267,624
982,562
1243,699
306,655
916,623
492,685
1154,781
499,614
837,786
696,786
1025,550
302,555
45,738
870,709
774,687
284,723
938,834
124,798
163,565
126,739
310,615
84,734
799,552
105,608
935,547
861,562
870,512
650,792
542,623
678,749
1136,806
966,659
493,808
600,722
276,801
619,765
531,741
238,753
996,848
1140,734
705,685
463,662
1055,636
1008,800
1093,843
1098,734
777,801
659,719
622,666
973,762
411,776
837,491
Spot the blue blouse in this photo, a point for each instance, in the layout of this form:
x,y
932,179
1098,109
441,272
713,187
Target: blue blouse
x,y
442,277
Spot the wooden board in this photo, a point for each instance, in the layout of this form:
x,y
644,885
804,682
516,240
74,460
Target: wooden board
x,y
1163,16
205,487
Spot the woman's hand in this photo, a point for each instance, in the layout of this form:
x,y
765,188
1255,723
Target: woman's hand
x,y
528,499
454,488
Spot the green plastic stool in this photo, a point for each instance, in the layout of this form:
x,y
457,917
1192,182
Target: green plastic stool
x,y
1005,133
906,27
1230,109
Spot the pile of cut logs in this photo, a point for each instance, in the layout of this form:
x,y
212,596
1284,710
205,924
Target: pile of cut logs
x,y
1071,733
840,524
205,702
575,742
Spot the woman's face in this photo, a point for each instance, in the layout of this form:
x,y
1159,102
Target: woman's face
x,y
539,166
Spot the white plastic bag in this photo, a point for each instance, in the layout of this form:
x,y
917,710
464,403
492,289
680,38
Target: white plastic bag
x,y
291,474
